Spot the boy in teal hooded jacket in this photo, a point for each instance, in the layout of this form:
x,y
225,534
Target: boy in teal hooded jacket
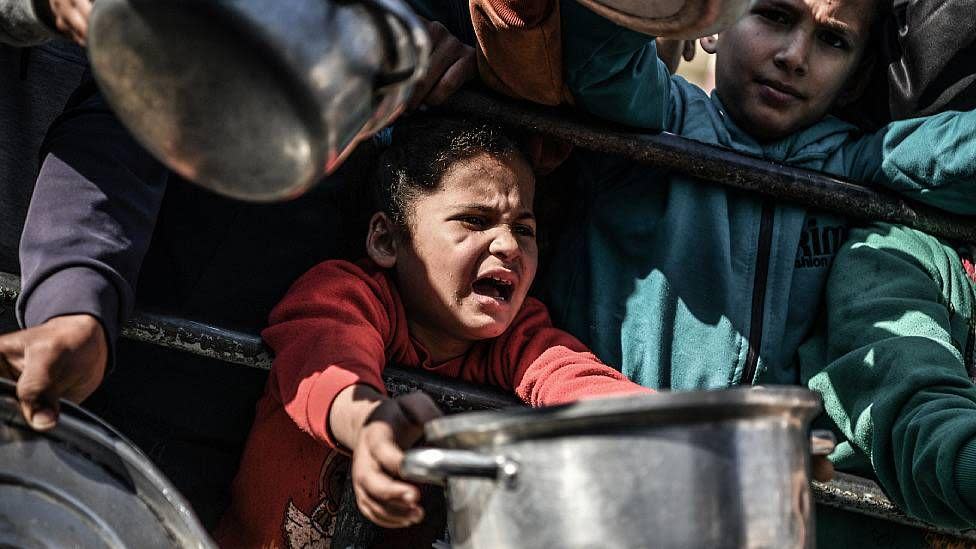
x,y
687,285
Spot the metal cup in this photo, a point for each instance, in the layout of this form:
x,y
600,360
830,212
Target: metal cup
x,y
252,99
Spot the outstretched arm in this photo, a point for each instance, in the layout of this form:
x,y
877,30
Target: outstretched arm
x,y
330,335
930,159
895,382
547,366
614,72
87,229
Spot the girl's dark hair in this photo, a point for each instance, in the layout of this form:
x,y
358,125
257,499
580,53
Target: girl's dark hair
x,y
423,148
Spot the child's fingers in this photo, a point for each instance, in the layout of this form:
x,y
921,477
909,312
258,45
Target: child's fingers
x,y
383,487
386,501
382,516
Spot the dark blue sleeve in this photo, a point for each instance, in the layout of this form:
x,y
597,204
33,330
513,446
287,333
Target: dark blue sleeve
x,y
90,219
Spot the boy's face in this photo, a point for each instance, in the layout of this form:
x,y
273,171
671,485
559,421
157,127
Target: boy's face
x,y
782,66
471,256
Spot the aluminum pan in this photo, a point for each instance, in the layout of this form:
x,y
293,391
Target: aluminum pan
x,y
85,476
595,415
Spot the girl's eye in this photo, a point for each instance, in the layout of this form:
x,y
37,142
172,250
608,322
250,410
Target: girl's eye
x,y
524,230
834,40
776,16
473,220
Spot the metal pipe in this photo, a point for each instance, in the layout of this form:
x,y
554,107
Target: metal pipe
x,y
846,492
808,188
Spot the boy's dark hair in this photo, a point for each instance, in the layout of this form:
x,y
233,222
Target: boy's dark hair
x,y
422,150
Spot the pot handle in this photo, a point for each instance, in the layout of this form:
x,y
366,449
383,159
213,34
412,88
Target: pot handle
x,y
434,466
822,442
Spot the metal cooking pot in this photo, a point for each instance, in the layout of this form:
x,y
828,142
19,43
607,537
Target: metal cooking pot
x,y
83,485
255,99
717,469
671,18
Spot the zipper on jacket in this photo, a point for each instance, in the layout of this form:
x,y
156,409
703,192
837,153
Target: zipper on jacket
x,y
759,293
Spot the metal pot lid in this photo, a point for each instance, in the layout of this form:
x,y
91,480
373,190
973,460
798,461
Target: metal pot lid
x,y
84,485
479,429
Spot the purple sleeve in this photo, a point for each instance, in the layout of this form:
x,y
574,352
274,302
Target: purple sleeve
x,y
90,218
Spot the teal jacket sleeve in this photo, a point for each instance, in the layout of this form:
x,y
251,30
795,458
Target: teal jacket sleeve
x,y
614,72
899,318
930,159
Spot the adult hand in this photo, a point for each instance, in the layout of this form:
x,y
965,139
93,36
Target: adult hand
x,y
452,64
671,52
63,358
71,18
395,424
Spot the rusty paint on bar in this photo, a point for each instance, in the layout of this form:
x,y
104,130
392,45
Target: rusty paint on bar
x,y
847,492
717,165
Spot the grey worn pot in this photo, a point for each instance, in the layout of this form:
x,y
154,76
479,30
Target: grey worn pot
x,y
84,485
717,469
254,99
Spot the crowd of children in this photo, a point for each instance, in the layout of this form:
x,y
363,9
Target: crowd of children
x,y
674,283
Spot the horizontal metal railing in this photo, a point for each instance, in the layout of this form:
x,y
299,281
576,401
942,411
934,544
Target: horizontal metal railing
x,y
847,492
809,188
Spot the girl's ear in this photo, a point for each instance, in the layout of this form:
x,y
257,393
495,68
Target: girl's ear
x,y
709,43
381,241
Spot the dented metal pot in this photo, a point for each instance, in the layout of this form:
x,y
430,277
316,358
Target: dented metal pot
x,y
82,484
717,469
253,99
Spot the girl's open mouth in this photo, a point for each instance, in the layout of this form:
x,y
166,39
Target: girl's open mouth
x,y
494,287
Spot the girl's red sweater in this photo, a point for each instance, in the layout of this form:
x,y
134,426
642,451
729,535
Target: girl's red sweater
x,y
339,325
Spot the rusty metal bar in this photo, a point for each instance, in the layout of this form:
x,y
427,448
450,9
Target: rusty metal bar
x,y
717,165
846,492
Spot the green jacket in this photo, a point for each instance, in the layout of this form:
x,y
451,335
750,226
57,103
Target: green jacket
x,y
893,364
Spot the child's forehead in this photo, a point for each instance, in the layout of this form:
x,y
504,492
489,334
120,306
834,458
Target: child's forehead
x,y
487,175
853,15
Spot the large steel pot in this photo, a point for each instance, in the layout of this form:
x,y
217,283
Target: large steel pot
x,y
717,469
84,485
255,99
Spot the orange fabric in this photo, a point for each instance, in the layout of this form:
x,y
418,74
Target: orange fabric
x,y
520,48
339,325
520,54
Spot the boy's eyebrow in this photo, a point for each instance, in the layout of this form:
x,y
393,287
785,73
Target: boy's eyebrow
x,y
841,27
837,25
525,214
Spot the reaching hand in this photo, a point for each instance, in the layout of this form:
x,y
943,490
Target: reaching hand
x,y
671,52
394,425
71,18
452,64
63,358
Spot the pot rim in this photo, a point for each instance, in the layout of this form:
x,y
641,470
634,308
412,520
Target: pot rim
x,y
99,443
498,427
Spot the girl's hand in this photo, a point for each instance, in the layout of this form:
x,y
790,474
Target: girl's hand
x,y
392,426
